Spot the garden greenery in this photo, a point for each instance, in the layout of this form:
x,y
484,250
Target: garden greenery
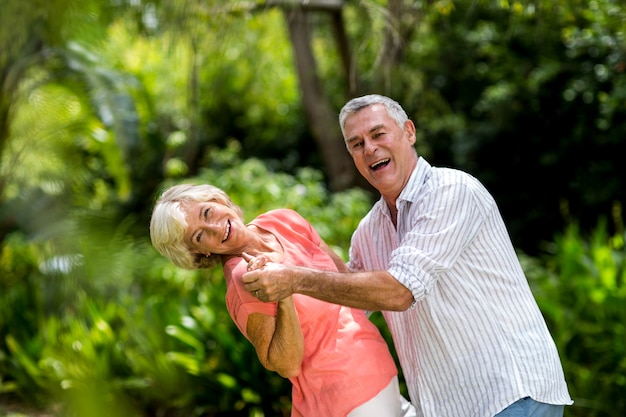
x,y
114,327
106,103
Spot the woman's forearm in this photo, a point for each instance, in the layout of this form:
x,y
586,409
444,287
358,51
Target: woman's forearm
x,y
286,348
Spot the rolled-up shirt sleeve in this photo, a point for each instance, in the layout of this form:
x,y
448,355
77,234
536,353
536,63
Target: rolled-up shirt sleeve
x,y
432,234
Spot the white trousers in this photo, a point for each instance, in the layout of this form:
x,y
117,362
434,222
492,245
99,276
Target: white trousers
x,y
387,403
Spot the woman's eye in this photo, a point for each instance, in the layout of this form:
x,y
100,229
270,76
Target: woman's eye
x,y
199,237
206,214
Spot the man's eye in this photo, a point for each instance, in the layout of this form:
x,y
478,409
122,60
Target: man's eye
x,y
206,214
357,145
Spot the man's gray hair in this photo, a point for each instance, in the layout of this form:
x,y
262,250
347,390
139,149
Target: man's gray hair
x,y
395,110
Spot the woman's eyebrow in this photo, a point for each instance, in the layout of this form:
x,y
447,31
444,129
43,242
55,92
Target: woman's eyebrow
x,y
195,232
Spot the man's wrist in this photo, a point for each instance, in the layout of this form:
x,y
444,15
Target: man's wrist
x,y
296,280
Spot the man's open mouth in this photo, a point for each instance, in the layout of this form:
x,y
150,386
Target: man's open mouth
x,y
382,163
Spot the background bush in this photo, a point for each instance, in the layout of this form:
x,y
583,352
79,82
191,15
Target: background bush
x,y
581,290
118,329
103,103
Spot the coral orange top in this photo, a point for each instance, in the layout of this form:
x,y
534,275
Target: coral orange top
x,y
346,360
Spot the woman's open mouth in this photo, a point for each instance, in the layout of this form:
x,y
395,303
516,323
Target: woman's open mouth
x,y
227,232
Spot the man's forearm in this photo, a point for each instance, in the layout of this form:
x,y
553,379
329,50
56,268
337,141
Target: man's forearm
x,y
374,291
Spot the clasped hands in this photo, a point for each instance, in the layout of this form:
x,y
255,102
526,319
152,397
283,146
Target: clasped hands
x,y
267,281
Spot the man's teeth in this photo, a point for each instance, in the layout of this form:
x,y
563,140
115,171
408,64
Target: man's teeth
x,y
379,163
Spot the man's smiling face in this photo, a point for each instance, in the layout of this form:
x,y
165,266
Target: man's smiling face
x,y
382,151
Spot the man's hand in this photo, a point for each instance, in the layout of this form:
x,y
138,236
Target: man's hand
x,y
371,290
272,282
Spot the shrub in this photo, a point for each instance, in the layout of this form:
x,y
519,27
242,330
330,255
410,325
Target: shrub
x,y
580,288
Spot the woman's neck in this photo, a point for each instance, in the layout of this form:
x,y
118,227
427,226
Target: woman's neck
x,y
266,244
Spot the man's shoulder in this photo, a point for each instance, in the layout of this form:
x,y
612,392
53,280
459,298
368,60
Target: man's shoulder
x,y
444,173
453,180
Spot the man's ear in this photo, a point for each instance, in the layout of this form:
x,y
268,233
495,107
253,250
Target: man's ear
x,y
409,129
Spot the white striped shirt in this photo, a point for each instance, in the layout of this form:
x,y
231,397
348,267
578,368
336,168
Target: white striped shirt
x,y
475,340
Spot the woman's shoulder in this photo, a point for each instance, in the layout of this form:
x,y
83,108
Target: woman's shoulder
x,y
281,214
282,217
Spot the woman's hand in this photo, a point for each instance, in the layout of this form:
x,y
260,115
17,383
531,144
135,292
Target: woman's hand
x,y
254,262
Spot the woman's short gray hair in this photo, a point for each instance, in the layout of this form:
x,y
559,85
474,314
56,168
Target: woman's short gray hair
x,y
168,223
395,110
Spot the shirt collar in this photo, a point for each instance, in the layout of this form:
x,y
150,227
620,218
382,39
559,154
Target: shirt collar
x,y
412,188
410,192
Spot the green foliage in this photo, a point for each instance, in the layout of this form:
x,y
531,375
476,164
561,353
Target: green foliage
x,y
499,88
233,78
114,326
581,288
103,100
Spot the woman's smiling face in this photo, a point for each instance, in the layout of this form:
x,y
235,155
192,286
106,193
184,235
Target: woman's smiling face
x,y
213,228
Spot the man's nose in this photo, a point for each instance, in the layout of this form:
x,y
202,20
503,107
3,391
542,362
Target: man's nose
x,y
369,145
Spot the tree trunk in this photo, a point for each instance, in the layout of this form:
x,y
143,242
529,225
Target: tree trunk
x,y
321,116
339,29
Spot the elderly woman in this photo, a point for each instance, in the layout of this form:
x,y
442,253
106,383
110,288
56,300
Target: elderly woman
x,y
334,356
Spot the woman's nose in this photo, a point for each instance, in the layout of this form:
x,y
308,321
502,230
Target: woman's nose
x,y
212,226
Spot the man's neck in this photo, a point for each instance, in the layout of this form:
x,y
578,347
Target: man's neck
x,y
393,212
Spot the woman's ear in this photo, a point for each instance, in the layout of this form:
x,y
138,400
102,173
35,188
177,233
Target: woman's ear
x,y
199,252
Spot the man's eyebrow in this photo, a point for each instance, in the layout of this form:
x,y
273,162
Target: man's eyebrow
x,y
372,130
